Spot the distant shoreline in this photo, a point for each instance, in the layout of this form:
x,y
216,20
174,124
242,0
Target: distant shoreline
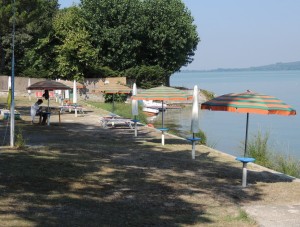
x,y
273,67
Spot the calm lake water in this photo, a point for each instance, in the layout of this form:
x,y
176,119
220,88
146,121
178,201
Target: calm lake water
x,y
226,130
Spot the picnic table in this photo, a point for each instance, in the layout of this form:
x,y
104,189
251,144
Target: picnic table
x,y
113,120
71,108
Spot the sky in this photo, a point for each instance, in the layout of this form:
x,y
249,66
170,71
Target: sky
x,y
239,34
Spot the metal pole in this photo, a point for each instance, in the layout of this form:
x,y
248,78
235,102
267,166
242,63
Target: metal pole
x,y
163,138
113,107
244,178
162,113
246,139
135,126
12,105
75,96
193,147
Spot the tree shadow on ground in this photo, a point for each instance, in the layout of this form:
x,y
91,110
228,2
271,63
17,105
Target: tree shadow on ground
x,y
83,175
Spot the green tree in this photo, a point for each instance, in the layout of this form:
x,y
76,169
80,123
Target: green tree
x,y
170,37
67,51
33,20
116,30
133,33
146,76
40,60
75,53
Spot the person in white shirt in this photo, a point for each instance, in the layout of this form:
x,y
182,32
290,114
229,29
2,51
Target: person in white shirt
x,y
36,110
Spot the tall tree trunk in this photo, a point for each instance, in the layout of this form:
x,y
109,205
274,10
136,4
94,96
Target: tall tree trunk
x,y
168,81
2,58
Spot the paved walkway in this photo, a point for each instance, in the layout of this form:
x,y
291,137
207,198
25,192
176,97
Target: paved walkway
x,y
275,215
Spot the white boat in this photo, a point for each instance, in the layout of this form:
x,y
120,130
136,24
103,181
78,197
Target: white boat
x,y
154,105
150,111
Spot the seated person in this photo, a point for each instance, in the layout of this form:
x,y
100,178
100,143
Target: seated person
x,y
36,110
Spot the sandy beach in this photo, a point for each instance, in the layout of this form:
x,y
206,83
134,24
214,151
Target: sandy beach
x,y
76,173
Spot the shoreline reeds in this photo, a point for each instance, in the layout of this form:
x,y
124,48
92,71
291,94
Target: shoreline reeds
x,y
260,149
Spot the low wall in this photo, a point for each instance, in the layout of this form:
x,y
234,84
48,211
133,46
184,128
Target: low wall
x,y
91,85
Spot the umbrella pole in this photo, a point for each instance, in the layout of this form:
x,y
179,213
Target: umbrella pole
x,y
135,126
162,113
246,138
113,107
162,122
48,113
193,147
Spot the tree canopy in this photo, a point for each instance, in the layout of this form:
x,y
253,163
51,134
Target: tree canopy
x,y
135,33
75,53
33,21
152,38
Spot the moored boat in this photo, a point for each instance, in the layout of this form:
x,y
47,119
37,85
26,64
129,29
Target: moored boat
x,y
154,105
150,111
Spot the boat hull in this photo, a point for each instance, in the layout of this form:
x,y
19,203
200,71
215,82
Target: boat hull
x,y
150,111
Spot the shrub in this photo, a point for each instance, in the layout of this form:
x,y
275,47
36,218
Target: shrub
x,y
201,134
109,98
147,76
9,96
207,94
19,139
257,148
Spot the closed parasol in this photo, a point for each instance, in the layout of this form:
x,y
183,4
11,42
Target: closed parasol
x,y
135,108
195,120
29,91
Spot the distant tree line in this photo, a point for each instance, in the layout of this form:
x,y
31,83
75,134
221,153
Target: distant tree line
x,y
273,67
146,41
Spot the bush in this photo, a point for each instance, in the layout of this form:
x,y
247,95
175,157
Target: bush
x,y
109,98
147,76
9,96
201,134
19,139
207,94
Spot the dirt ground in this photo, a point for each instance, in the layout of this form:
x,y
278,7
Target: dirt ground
x,y
76,173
